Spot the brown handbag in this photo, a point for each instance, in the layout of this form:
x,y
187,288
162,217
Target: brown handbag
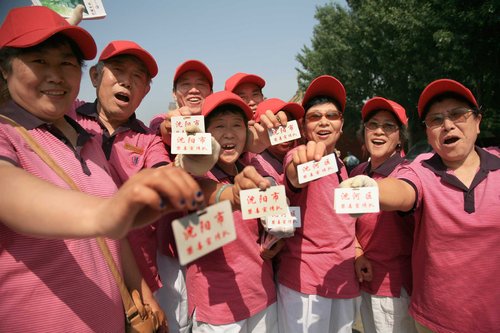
x,y
140,318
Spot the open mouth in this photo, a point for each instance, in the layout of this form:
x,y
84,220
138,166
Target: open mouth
x,y
451,140
378,142
228,146
122,97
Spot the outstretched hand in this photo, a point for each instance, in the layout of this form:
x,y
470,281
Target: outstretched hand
x,y
248,178
198,165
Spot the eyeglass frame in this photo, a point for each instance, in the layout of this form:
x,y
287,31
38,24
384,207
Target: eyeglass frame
x,y
383,126
446,115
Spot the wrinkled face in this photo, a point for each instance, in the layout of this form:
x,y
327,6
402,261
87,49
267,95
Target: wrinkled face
x,y
121,86
251,94
230,131
452,141
381,142
45,82
323,122
191,90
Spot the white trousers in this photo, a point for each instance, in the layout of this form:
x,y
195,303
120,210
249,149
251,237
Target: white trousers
x,y
172,297
382,314
265,321
302,313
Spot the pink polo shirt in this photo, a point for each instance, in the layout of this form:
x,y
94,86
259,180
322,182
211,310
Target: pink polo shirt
x,y
131,148
56,285
319,258
232,283
456,270
386,239
267,164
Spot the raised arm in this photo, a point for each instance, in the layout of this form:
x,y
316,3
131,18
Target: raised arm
x,y
38,208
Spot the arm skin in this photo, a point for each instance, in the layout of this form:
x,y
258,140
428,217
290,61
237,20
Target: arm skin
x,y
32,206
396,194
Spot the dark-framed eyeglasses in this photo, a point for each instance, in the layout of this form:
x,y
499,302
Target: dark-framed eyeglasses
x,y
457,115
317,116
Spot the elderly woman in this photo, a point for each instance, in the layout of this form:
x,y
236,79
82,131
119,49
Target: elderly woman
x,y
453,195
383,258
52,268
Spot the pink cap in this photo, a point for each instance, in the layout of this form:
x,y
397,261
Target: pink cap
x,y
326,85
118,47
225,97
239,78
276,105
441,86
28,26
194,65
380,103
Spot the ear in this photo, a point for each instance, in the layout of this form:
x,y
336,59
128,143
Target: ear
x,y
4,73
147,89
94,76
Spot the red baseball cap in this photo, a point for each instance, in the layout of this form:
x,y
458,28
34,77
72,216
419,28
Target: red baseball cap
x,y
194,65
441,86
276,105
326,85
240,78
225,97
380,103
118,47
28,26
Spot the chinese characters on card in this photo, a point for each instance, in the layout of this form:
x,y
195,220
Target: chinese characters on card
x,y
200,233
356,200
257,203
313,170
285,133
192,144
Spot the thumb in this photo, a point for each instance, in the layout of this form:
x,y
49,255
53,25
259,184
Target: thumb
x,y
76,15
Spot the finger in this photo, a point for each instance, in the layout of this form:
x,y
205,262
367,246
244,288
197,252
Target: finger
x,y
311,150
282,117
302,155
179,188
319,151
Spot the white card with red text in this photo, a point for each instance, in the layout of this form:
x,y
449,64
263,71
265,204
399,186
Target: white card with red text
x,y
191,144
291,218
358,200
285,133
256,203
204,231
179,123
312,170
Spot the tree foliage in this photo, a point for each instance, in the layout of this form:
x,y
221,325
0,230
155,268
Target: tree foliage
x,y
394,48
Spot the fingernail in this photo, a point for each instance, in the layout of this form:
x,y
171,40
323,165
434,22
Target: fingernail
x,y
199,194
182,202
194,203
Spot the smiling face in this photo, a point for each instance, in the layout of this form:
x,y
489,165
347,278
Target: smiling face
x,y
453,141
229,129
381,143
45,81
121,82
191,89
323,122
251,94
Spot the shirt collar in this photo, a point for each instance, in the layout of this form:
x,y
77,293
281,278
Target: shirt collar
x,y
90,110
386,168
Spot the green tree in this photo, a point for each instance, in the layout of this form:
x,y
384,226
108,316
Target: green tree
x,y
394,48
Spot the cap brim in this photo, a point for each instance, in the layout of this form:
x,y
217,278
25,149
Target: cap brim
x,y
328,86
442,86
222,99
379,103
80,36
197,66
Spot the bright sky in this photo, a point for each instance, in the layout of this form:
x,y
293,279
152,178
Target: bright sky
x,y
260,37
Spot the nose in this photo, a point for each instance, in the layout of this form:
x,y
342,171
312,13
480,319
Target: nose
x,y
125,81
448,124
55,74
